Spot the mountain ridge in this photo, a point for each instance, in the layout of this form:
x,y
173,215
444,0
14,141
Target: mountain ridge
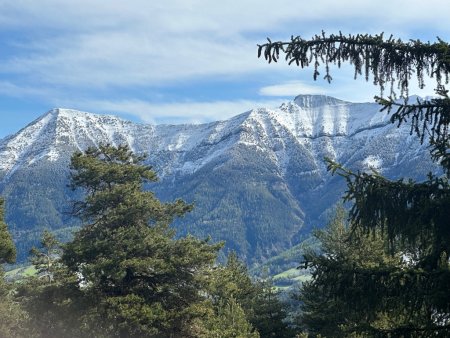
x,y
258,179
60,116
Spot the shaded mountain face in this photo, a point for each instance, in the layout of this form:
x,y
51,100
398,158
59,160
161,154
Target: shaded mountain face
x,y
258,180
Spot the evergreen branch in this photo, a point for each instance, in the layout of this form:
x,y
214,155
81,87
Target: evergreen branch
x,y
388,60
401,208
430,117
414,288
407,331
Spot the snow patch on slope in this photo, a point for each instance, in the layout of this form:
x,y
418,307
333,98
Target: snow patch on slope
x,y
13,148
373,162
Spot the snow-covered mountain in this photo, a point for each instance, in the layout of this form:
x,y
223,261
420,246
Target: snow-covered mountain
x,y
258,180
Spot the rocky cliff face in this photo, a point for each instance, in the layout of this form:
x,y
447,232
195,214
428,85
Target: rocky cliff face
x,y
258,180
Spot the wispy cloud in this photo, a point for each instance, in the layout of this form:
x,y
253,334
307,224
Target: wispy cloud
x,y
290,89
83,53
179,112
119,59
13,90
89,43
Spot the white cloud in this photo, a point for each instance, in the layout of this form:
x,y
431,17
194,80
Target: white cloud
x,y
138,42
123,58
71,52
226,18
13,90
179,112
291,88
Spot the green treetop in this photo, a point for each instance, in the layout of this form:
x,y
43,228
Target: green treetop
x,y
124,274
259,302
342,299
45,257
143,280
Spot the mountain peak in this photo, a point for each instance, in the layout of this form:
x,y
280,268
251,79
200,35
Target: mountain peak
x,y
312,101
59,111
65,112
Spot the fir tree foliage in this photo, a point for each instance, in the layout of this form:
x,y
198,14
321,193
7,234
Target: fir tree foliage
x,y
7,247
45,258
270,314
414,215
113,179
343,298
124,274
259,302
12,316
387,60
230,321
13,319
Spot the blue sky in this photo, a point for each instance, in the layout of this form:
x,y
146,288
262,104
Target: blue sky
x,y
178,61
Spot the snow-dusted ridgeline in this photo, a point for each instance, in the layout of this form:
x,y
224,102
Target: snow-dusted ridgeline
x,y
308,117
257,179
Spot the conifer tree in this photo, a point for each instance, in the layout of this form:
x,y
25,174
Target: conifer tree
x,y
7,247
229,322
263,310
41,294
269,313
144,282
12,317
414,215
124,274
233,281
344,255
45,258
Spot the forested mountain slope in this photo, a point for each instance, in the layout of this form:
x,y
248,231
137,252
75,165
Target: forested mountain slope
x,y
258,180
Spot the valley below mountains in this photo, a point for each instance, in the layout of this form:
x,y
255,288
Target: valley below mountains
x,y
258,180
